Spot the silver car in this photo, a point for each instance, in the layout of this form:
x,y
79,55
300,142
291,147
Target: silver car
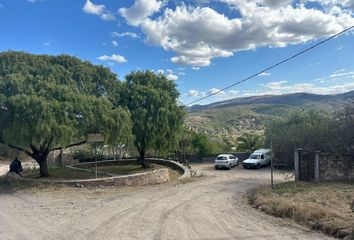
x,y
225,161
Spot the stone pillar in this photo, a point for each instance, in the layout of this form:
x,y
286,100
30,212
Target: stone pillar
x,y
297,156
317,166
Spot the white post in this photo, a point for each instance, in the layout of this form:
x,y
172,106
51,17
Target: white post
x,y
297,164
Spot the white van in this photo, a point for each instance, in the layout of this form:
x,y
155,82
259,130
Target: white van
x,y
260,157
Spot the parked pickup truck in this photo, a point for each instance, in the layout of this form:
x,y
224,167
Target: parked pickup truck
x,y
260,157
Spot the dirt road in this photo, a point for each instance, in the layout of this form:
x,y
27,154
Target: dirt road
x,y
212,207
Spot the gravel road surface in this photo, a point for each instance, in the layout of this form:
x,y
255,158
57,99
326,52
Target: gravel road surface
x,y
211,207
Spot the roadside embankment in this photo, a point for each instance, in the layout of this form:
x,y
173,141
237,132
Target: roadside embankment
x,y
328,207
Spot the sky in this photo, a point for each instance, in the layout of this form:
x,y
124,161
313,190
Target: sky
x,y
201,45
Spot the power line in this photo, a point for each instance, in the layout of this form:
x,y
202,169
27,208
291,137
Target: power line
x,y
273,66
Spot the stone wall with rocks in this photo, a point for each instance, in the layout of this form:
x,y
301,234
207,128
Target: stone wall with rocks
x,y
317,166
139,179
336,166
61,159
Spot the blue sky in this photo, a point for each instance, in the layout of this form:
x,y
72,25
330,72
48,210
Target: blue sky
x,y
202,45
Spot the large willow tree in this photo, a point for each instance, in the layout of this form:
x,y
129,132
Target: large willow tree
x,y
52,102
157,117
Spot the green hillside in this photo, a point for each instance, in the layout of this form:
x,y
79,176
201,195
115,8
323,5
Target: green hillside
x,y
230,119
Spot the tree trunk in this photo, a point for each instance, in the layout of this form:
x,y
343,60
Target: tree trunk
x,y
42,159
43,168
142,159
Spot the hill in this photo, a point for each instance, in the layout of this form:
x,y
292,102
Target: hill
x,y
230,119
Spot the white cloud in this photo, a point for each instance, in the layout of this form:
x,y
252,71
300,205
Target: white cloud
x,y
140,11
108,16
114,58
193,93
283,87
197,35
115,43
172,77
168,73
215,91
46,44
342,74
95,9
99,10
264,74
125,34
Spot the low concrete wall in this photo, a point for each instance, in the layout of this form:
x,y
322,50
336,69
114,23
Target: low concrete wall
x,y
139,179
185,171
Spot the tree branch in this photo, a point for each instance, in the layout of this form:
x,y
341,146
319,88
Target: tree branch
x,y
71,145
16,148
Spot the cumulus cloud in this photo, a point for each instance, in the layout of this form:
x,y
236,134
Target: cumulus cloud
x,y
170,75
125,34
283,87
140,11
197,35
115,43
193,93
99,10
113,58
264,74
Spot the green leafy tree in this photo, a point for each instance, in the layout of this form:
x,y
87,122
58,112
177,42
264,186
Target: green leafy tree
x,y
249,142
311,130
51,102
156,115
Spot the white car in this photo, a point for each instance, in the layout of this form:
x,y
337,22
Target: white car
x,y
260,157
225,161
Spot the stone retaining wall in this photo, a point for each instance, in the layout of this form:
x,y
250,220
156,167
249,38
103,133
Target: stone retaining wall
x,y
319,166
139,179
336,166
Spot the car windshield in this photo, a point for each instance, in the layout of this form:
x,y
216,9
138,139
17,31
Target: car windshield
x,y
255,156
221,158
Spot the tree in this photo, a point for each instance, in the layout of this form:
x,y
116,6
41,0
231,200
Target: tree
x,y
249,142
51,102
156,115
311,130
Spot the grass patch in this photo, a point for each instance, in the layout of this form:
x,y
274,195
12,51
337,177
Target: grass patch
x,y
127,169
328,207
63,174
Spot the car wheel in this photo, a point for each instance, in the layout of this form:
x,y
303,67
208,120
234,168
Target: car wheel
x,y
216,168
258,166
229,168
236,163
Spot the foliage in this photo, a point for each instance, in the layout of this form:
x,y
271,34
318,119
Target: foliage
x,y
313,131
156,116
50,102
249,142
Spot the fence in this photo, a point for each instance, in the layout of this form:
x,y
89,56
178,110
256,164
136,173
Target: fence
x,y
317,166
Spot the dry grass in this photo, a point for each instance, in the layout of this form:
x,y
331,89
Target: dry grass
x,y
63,174
127,169
327,206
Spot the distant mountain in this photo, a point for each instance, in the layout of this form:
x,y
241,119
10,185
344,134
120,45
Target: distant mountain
x,y
230,119
294,99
